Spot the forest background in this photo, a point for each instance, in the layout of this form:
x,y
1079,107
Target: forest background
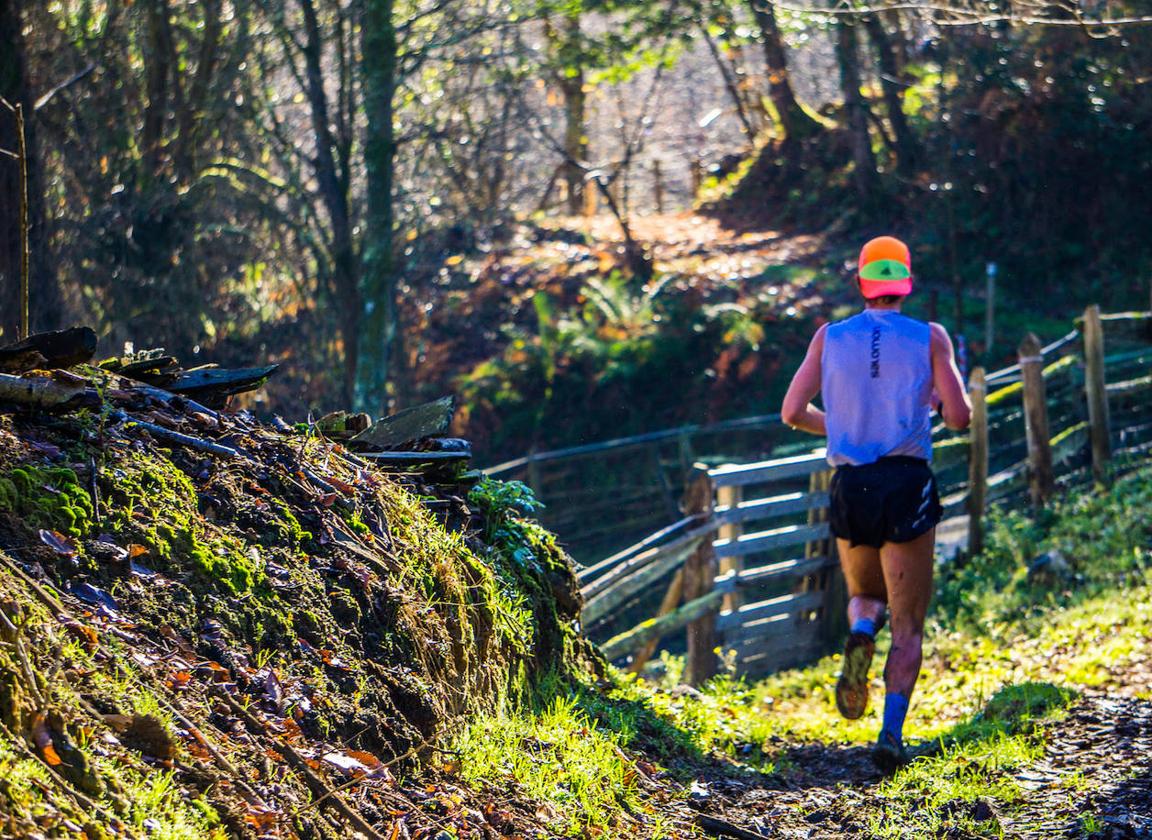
x,y
400,199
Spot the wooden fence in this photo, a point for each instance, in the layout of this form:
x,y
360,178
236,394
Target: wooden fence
x,y
608,494
750,570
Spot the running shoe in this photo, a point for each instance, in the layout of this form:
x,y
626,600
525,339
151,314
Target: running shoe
x,y
852,687
889,754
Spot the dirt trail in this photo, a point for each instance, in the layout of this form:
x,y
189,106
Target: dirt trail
x,y
1094,780
1098,762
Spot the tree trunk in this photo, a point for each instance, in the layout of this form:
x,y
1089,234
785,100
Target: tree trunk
x,y
379,325
795,123
907,147
158,57
575,140
191,118
567,50
334,192
45,301
856,112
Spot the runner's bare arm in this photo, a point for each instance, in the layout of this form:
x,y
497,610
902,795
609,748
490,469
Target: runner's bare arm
x,y
946,381
798,411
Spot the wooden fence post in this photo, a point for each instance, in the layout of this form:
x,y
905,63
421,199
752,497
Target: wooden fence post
x,y
731,497
977,461
818,482
697,175
833,616
1096,392
699,580
1041,482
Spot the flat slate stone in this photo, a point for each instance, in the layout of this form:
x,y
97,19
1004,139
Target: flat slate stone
x,y
421,421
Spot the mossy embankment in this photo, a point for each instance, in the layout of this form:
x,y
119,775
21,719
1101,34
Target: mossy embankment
x,y
194,645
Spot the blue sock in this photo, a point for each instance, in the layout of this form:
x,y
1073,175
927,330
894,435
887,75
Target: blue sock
x,y
864,625
895,710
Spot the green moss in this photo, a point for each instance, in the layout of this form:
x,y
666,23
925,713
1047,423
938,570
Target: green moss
x,y
47,497
357,524
289,526
154,504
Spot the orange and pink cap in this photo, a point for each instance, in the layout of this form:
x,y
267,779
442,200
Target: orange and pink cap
x,y
885,268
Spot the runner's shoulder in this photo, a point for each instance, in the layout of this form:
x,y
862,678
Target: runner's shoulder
x,y
817,342
941,341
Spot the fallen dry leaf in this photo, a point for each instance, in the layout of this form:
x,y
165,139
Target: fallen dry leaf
x,y
179,680
62,545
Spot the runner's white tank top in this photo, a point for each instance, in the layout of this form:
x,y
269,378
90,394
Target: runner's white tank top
x,y
876,384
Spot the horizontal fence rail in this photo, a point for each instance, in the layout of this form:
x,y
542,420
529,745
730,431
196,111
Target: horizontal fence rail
x,y
749,566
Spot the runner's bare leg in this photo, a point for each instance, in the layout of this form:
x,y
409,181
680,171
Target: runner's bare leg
x,y
908,577
863,573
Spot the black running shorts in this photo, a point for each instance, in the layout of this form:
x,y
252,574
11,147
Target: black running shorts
x,y
894,499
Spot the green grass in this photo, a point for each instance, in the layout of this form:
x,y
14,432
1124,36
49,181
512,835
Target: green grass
x,y
559,756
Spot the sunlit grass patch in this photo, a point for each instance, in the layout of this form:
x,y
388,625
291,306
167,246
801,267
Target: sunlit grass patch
x,y
954,787
561,758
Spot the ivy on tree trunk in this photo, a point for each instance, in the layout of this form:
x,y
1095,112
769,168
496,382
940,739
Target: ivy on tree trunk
x,y
378,334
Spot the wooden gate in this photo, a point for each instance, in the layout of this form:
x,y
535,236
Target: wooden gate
x,y
761,567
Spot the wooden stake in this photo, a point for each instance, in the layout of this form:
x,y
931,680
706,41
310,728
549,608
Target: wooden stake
x,y
1096,392
1041,481
977,461
699,580
671,601
731,497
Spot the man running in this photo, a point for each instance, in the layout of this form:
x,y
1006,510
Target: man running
x,y
880,373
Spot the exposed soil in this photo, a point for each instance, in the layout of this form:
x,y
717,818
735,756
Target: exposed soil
x,y
1097,765
1105,743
